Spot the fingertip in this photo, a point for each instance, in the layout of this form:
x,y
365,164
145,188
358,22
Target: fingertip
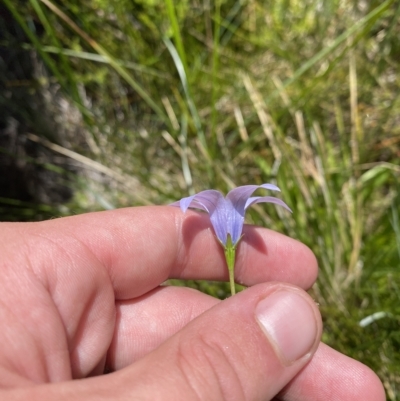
x,y
242,348
369,384
266,255
331,375
291,321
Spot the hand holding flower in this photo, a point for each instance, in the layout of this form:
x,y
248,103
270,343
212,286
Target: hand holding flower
x,y
84,294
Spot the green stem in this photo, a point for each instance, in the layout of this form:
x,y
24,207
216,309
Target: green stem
x,y
230,254
232,282
215,65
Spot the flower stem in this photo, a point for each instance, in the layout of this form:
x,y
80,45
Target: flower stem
x,y
230,254
232,281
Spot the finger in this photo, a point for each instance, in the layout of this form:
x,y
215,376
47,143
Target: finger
x,y
144,323
80,264
57,304
142,247
331,375
246,347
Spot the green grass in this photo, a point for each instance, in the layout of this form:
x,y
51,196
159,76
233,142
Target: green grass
x,y
185,96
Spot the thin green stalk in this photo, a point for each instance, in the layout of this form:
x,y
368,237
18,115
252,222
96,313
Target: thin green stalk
x,y
230,257
192,107
112,61
376,13
67,71
215,65
176,32
36,43
187,175
396,225
232,282
98,58
51,33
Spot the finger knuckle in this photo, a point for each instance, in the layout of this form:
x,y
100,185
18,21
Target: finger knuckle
x,y
207,365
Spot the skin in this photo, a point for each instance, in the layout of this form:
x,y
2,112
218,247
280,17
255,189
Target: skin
x,y
83,295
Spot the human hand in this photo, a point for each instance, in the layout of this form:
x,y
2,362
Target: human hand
x,y
83,294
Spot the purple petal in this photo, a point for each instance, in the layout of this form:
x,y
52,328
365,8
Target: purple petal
x,y
271,187
205,200
223,219
227,214
238,198
214,203
266,199
239,195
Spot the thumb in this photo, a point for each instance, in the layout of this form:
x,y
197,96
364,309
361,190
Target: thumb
x,y
245,348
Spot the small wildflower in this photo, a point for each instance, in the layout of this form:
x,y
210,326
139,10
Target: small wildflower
x,y
227,215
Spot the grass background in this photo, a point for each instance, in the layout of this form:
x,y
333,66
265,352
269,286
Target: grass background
x,y
147,101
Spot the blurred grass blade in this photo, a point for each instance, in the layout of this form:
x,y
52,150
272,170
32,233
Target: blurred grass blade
x,y
366,321
396,224
53,36
187,175
374,14
48,60
176,33
192,107
112,61
98,58
130,182
214,73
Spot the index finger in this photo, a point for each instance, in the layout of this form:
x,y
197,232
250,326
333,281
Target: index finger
x,y
142,247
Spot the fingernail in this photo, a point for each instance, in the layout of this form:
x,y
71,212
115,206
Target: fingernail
x,y
289,322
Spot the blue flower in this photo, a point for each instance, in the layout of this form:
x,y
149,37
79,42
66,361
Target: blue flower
x,y
227,213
